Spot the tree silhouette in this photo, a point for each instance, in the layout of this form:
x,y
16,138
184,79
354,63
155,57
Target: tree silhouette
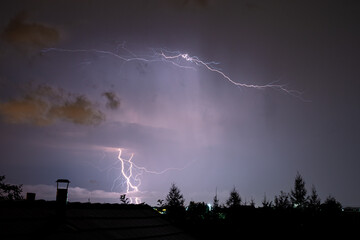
x,y
9,191
298,194
266,203
160,203
197,211
282,201
216,203
174,197
314,200
331,205
124,199
252,202
175,204
234,199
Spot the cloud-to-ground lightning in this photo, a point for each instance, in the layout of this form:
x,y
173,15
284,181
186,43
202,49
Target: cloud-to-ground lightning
x,y
130,174
181,60
132,182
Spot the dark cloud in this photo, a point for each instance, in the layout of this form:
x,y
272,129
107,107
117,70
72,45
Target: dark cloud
x,y
29,36
186,4
113,102
201,3
79,110
26,110
45,104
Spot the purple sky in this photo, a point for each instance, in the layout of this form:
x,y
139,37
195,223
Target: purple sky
x,y
64,114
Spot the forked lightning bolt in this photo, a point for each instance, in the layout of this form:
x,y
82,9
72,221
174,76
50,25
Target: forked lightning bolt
x,y
181,60
209,66
131,174
132,183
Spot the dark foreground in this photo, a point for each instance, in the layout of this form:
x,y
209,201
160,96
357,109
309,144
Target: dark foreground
x,y
46,220
280,224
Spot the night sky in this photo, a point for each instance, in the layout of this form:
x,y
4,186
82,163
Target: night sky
x,y
68,102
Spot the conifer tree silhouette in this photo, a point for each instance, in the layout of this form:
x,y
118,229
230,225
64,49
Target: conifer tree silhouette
x,y
298,194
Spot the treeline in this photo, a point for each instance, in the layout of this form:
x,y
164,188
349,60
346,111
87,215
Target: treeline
x,y
8,191
297,212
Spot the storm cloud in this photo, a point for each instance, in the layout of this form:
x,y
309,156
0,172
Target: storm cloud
x,y
29,36
45,104
113,102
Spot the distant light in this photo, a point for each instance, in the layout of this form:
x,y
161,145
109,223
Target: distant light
x,y
209,206
161,211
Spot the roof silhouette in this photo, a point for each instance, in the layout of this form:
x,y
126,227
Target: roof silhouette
x,y
40,219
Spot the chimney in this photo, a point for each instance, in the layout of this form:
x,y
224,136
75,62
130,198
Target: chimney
x,y
62,186
30,196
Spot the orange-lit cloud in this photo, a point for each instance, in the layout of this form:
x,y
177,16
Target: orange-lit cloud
x,y
27,110
80,111
44,105
29,36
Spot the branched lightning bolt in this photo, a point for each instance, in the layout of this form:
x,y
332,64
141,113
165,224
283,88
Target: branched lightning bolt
x,y
131,174
210,67
132,183
179,59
